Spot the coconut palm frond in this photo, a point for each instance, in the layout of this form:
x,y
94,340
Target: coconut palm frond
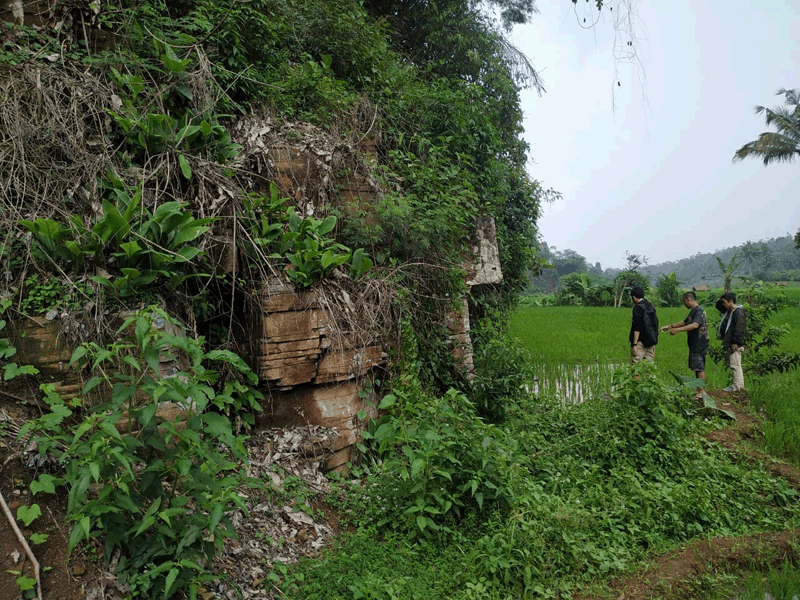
x,y
783,120
770,147
780,146
792,96
520,66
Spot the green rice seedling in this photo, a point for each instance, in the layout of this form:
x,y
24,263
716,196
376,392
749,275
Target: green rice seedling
x,y
778,395
578,347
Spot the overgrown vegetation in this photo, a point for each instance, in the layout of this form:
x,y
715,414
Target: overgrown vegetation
x,y
129,147
575,492
156,489
134,149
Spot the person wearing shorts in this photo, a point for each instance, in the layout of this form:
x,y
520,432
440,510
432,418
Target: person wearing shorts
x,y
696,328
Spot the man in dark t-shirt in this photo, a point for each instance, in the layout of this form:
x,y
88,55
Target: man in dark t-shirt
x,y
697,337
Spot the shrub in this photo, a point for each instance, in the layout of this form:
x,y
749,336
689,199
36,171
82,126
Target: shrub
x,y
156,490
437,460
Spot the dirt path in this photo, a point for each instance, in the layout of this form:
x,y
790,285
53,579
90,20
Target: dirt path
x,y
674,576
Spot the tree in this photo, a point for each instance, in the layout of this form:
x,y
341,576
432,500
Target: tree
x,y
667,289
635,261
750,255
568,261
625,281
780,146
727,270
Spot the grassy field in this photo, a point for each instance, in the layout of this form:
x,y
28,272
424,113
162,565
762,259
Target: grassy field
x,y
574,350
561,338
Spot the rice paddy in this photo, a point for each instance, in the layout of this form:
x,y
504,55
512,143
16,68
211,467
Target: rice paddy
x,y
574,351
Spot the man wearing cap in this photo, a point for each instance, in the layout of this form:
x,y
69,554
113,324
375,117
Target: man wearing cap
x,y
643,343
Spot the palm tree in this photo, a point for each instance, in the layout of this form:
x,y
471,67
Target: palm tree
x,y
780,146
727,270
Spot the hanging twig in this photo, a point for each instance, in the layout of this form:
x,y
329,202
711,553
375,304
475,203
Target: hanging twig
x,y
25,545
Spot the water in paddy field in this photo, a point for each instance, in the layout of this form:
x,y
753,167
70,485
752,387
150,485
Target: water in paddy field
x,y
574,383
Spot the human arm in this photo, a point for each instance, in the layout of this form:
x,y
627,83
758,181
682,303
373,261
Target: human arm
x,y
678,327
637,324
739,327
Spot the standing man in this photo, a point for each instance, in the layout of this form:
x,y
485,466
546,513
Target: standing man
x,y
697,337
732,332
644,328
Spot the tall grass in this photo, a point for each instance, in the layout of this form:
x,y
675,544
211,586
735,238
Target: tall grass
x,y
779,396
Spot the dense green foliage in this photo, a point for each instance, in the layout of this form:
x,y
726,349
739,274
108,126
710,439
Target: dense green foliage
x,y
579,492
158,490
159,87
437,89
762,339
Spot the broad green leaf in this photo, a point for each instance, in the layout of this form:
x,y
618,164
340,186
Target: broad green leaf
x,y
387,402
78,354
326,226
186,254
217,425
25,583
170,581
75,536
46,483
28,514
327,259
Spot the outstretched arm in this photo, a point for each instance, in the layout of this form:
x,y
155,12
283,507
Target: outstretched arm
x,y
678,327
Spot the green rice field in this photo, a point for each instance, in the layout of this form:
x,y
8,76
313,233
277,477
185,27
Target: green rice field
x,y
574,351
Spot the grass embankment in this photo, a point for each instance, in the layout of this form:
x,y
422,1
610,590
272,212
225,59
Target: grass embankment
x,y
584,491
779,396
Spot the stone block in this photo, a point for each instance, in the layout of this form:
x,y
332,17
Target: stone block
x,y
339,366
39,342
334,406
485,266
292,325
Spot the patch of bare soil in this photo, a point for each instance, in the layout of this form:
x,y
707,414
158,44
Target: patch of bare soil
x,y
670,576
62,578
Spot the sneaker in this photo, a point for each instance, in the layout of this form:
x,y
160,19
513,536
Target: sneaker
x,y
729,389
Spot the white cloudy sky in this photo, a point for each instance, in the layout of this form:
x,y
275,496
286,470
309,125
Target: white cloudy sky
x,y
655,176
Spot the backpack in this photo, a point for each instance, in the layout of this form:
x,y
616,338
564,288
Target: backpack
x,y
649,336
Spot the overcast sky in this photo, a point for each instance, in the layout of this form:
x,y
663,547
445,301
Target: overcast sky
x,y
654,176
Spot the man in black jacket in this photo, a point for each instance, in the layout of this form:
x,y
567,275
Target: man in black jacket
x,y
732,333
643,340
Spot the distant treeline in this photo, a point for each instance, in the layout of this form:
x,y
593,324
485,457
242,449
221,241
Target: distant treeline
x,y
776,259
